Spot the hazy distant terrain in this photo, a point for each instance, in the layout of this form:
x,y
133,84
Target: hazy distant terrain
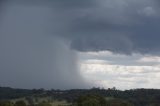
x,y
136,97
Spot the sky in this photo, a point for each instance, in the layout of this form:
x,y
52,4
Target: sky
x,y
71,44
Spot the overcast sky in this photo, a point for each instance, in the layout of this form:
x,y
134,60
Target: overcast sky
x,y
80,43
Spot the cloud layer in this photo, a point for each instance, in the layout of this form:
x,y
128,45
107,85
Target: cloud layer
x,y
39,40
32,57
121,26
108,70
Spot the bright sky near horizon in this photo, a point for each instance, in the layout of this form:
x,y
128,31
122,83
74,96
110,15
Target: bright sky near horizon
x,y
108,70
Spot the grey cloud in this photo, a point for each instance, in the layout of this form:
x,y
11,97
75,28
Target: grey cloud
x,y
59,4
30,56
29,32
119,26
141,32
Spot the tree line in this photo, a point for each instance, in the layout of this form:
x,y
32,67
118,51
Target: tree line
x,y
137,97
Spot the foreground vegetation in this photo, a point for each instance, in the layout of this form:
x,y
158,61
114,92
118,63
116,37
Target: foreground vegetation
x,y
79,97
85,100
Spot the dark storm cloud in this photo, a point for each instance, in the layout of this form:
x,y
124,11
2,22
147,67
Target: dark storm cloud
x,y
35,37
122,26
1,6
133,29
32,57
61,4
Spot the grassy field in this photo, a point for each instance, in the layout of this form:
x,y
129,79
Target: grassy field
x,y
37,100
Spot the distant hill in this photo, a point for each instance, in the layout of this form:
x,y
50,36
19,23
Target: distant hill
x,y
138,97
11,93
